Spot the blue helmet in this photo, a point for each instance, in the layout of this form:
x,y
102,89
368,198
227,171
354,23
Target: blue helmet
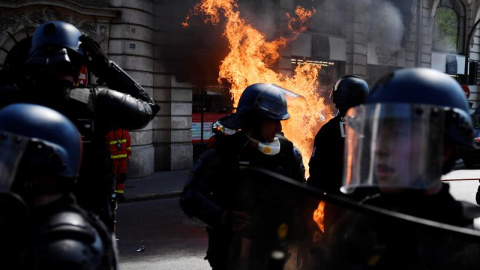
x,y
404,136
429,87
259,101
39,141
56,43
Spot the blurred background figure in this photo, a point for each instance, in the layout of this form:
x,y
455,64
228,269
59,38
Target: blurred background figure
x,y
42,227
326,162
119,145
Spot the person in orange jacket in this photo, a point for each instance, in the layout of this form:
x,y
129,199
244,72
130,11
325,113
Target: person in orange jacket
x,y
119,145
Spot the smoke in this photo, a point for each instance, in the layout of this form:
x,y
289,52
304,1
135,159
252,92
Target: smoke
x,y
385,23
198,59
384,19
261,14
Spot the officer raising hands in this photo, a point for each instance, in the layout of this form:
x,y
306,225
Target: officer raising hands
x,y
57,52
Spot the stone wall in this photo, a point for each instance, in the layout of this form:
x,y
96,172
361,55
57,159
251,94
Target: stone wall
x,y
20,18
172,128
131,47
356,53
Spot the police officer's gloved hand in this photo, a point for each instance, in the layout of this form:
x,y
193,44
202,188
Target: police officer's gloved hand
x,y
236,220
477,197
97,60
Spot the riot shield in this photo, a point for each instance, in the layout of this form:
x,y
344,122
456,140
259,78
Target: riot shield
x,y
294,226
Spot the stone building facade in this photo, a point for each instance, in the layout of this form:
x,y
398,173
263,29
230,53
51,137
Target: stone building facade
x,y
370,37
147,39
139,36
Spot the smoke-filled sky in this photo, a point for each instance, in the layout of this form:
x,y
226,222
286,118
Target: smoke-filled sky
x,y
385,23
385,19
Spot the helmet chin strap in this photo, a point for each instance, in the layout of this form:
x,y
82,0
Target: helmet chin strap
x,y
269,149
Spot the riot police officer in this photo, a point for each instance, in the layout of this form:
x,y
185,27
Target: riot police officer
x,y
403,139
326,162
40,158
208,193
56,54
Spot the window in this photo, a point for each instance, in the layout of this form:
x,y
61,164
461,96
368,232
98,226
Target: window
x,y
449,27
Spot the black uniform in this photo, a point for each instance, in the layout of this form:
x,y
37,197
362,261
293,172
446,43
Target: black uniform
x,y
43,69
359,240
64,236
59,235
326,162
440,207
408,248
94,111
41,225
208,192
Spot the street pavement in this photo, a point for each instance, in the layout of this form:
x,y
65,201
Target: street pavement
x,y
158,185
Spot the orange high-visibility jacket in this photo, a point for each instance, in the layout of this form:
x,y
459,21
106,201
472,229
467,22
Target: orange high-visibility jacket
x,y
119,144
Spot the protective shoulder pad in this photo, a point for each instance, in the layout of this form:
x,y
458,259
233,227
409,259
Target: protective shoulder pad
x,y
68,241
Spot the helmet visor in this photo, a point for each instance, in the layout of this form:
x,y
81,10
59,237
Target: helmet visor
x,y
393,146
12,148
273,107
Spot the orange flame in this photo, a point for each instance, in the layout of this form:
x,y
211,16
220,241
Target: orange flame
x,y
249,61
319,216
297,24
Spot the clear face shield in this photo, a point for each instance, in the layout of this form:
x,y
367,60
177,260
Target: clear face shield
x,y
393,147
13,209
40,159
12,148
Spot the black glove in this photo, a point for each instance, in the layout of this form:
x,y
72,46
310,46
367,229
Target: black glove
x,y
477,197
235,220
97,60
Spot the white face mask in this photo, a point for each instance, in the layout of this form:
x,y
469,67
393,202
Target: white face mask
x,y
269,149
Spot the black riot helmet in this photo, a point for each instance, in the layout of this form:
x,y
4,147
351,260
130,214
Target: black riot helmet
x,y
56,45
38,142
258,101
349,91
403,137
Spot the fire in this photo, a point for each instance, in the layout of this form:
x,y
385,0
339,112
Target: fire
x,y
319,216
250,59
297,24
